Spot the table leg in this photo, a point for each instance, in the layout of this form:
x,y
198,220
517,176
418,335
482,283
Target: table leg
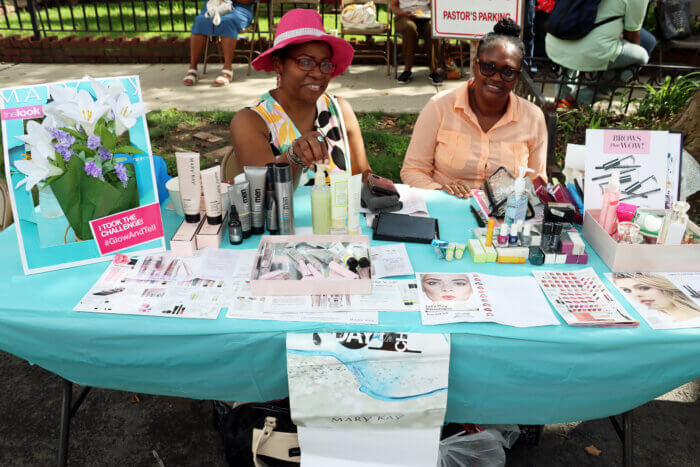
x,y
68,409
64,432
625,434
627,443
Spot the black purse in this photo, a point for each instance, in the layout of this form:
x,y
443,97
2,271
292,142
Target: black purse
x,y
673,19
258,434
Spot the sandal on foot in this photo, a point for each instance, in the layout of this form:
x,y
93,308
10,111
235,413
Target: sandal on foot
x,y
224,78
191,77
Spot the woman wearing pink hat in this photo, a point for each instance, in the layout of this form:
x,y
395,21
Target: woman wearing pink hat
x,y
298,122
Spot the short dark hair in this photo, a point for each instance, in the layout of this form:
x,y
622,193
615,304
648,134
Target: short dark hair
x,y
505,30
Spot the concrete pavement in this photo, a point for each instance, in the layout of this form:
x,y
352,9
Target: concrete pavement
x,y
366,87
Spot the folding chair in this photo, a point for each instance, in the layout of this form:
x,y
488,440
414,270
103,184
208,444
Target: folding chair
x,y
384,29
252,30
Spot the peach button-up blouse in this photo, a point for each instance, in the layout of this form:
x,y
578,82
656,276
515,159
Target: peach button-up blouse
x,y
448,145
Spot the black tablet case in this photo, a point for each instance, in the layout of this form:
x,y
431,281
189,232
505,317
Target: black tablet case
x,y
405,228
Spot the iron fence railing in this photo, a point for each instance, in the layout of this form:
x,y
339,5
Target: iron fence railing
x,y
46,17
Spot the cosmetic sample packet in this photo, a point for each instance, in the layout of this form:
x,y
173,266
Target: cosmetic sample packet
x,y
242,304
366,399
666,300
115,292
162,267
582,300
390,260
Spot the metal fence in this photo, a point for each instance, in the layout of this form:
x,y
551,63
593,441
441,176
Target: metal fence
x,y
47,17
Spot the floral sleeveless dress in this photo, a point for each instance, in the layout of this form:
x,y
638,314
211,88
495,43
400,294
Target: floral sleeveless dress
x,y
283,132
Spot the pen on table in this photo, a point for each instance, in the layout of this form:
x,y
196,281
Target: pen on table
x,y
479,222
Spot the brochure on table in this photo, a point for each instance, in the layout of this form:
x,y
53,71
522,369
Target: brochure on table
x,y
647,162
474,297
368,398
666,300
82,148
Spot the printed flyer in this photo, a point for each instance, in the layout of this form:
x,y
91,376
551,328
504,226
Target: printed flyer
x,y
368,398
668,300
473,297
82,149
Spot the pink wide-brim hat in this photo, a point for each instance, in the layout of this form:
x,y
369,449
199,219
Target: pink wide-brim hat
x,y
299,26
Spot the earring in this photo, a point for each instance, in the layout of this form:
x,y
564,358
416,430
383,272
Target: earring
x,y
278,79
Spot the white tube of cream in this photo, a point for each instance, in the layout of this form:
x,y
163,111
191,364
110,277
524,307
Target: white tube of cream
x,y
211,182
339,202
354,192
190,184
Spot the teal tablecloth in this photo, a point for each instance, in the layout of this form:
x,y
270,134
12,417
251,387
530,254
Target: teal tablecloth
x,y
498,374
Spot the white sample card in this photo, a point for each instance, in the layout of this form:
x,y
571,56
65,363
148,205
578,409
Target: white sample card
x,y
368,398
242,304
582,300
473,297
387,295
641,160
390,260
223,264
665,300
115,292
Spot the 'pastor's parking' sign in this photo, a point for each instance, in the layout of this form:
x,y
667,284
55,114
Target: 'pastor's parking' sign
x,y
471,19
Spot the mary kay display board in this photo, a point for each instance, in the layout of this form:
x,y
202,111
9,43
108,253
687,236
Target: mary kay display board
x,y
646,162
81,177
471,19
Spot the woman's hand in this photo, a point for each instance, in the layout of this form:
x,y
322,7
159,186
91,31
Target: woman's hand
x,y
309,150
458,189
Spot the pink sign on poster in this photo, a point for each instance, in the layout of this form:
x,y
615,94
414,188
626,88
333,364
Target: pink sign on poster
x,y
126,229
24,113
626,142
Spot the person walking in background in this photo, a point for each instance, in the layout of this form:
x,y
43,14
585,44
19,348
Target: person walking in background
x,y
411,19
229,25
612,45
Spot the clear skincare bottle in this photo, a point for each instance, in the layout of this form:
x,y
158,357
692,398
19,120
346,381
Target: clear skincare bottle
x,y
516,205
321,203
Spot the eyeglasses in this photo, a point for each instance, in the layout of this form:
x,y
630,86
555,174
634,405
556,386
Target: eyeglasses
x,y
309,64
488,69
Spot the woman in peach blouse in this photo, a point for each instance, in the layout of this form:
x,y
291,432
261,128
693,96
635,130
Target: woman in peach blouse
x,y
464,135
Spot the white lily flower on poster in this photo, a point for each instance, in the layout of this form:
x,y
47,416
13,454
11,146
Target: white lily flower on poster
x,y
39,139
106,93
60,95
37,168
126,113
85,111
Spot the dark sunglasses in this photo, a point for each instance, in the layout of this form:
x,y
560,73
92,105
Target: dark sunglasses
x,y
507,73
309,64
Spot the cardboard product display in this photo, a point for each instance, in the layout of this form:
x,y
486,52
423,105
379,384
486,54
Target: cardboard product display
x,y
209,235
261,287
84,146
645,257
184,242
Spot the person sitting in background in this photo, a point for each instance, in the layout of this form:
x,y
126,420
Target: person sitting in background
x,y
612,45
464,135
411,18
298,122
230,25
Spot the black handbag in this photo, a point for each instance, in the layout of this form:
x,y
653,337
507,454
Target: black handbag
x,y
258,434
673,19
